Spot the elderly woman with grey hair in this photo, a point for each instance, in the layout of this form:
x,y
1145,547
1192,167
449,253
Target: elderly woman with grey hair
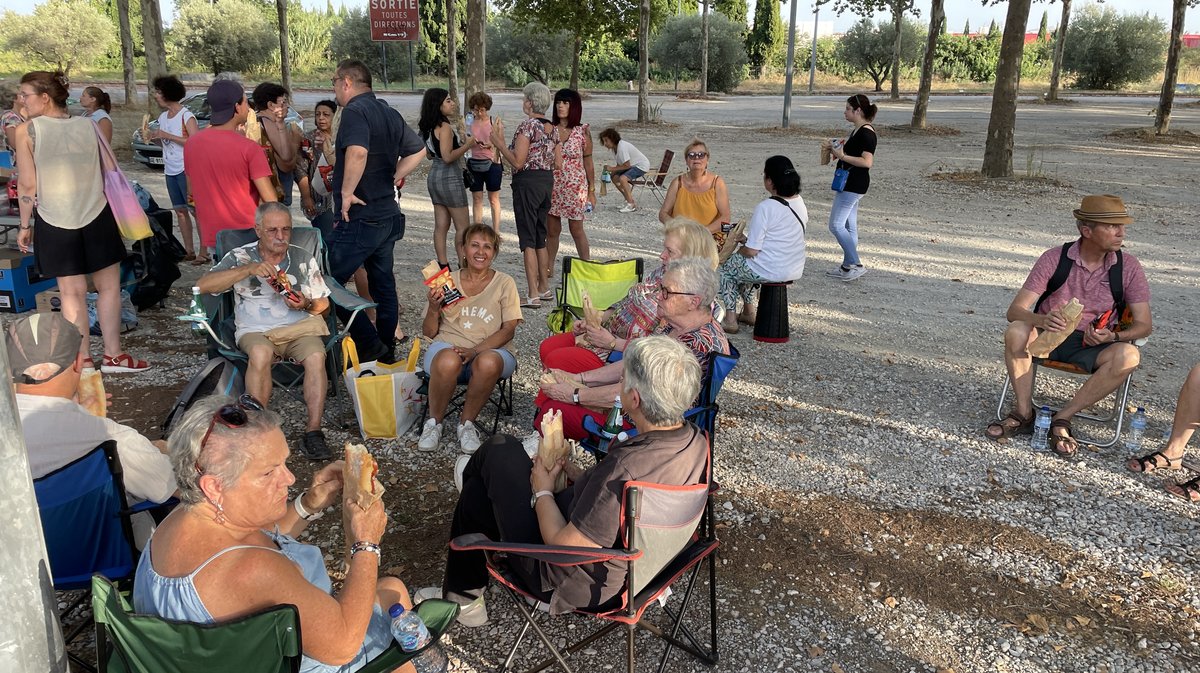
x,y
685,296
500,483
230,549
533,155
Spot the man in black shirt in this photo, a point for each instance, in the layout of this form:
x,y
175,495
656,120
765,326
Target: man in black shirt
x,y
375,150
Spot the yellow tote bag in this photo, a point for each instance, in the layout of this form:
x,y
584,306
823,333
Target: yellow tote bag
x,y
386,398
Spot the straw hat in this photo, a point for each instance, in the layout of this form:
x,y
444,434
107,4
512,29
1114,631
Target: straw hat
x,y
1103,208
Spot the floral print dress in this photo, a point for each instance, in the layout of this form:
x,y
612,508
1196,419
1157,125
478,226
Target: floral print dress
x,y
569,199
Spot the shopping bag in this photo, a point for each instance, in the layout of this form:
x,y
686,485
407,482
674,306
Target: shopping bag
x,y
132,221
386,398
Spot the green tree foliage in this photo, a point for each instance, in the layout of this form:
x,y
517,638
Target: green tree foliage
x,y
766,37
228,35
960,57
678,45
1106,50
588,21
1044,27
112,58
967,27
606,61
520,53
64,34
734,10
309,35
431,50
351,38
866,49
993,29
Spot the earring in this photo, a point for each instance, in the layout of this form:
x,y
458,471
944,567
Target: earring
x,y
220,517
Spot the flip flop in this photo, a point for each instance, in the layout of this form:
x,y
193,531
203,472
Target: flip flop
x,y
548,295
531,302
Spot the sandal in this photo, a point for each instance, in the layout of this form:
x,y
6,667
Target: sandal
x,y
200,261
531,302
1024,426
122,364
189,257
1150,463
1188,490
548,295
1065,445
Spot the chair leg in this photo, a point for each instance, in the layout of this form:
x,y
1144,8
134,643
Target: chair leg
x,y
545,638
630,651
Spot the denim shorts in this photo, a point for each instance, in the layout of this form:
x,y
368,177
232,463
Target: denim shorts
x,y
177,190
631,173
510,362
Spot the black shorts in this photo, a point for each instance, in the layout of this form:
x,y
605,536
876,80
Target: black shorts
x,y
1072,351
490,178
61,252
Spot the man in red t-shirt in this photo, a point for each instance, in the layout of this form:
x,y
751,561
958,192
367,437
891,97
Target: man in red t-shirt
x,y
1095,346
228,173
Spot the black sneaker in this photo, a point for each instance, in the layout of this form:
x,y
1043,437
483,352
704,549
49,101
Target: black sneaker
x,y
314,447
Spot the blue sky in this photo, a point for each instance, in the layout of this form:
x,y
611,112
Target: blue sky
x,y
958,12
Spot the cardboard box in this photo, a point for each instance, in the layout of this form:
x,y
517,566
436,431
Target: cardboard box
x,y
19,282
48,300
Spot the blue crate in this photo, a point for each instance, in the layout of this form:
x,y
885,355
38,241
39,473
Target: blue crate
x,y
20,282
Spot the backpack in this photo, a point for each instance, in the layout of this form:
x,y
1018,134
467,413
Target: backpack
x,y
155,260
1120,317
218,377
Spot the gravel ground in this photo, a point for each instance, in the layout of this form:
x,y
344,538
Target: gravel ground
x,y
866,523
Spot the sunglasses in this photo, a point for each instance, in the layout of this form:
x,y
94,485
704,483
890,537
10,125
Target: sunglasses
x,y
697,155
231,416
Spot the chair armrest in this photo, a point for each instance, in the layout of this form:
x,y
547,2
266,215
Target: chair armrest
x,y
343,298
557,556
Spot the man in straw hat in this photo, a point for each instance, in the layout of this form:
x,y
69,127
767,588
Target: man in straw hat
x,y
1100,343
44,362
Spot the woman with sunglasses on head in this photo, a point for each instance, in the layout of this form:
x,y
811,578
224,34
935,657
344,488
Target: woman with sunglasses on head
x,y
230,548
574,180
698,194
855,155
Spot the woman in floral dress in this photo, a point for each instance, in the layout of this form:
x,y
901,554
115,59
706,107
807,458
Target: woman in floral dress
x,y
574,182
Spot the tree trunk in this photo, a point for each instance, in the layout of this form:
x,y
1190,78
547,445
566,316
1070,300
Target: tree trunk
x,y
644,62
476,48
285,54
156,51
704,51
452,47
127,52
997,154
897,23
578,48
1162,118
1060,39
937,20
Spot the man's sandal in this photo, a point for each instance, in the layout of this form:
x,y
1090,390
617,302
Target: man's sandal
x,y
1151,463
1063,445
1024,426
1188,490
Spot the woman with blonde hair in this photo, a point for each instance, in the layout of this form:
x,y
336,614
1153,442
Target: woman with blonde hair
x,y
587,348
698,194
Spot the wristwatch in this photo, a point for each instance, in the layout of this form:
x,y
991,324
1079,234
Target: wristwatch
x,y
534,498
575,396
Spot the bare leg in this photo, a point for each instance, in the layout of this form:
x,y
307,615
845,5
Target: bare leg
x,y
485,372
535,259
581,239
461,219
625,188
1112,366
108,307
553,232
185,229
316,384
1017,338
1187,415
73,290
494,200
258,372
363,289
441,226
389,591
446,367
477,207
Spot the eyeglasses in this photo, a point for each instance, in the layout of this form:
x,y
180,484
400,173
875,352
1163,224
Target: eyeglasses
x,y
663,292
697,155
231,416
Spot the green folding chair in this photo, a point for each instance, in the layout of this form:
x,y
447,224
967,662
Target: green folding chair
x,y
605,282
265,642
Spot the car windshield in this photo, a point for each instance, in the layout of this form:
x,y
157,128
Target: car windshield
x,y
198,105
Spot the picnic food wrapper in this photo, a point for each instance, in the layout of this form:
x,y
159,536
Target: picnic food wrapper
x,y
146,127
552,445
1048,341
91,393
591,317
253,128
437,276
730,244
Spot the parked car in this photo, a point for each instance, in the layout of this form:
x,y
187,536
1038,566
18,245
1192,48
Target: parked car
x,y
150,153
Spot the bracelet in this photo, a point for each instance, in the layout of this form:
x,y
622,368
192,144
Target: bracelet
x,y
613,346
366,546
303,512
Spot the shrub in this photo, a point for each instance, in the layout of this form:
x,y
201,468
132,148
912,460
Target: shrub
x,y
229,35
867,49
1107,51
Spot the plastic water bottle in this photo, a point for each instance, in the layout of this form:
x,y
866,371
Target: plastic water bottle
x,y
1041,430
1137,429
410,632
587,208
197,311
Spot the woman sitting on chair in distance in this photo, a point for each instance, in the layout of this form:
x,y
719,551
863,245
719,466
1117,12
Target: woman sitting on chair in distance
x,y
472,338
229,549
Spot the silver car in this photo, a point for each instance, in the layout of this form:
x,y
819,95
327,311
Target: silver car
x,y
150,153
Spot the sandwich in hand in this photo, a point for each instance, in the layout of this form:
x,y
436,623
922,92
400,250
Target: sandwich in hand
x,y
91,393
553,446
360,475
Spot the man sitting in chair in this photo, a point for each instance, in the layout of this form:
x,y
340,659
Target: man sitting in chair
x,y
274,319
45,364
1095,346
511,498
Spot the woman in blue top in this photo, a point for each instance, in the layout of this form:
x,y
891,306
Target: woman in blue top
x,y
230,550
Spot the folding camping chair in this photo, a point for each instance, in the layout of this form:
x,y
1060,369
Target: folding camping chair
x,y
605,282
268,641
87,527
501,398
286,374
666,532
655,181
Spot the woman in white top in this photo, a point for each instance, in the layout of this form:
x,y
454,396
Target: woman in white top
x,y
175,125
772,249
73,225
96,105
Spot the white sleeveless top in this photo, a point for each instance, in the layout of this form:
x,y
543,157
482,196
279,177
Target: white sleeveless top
x,y
70,188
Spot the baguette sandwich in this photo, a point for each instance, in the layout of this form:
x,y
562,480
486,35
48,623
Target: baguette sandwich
x,y
360,476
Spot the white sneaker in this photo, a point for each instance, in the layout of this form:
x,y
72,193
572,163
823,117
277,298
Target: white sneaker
x,y
468,437
470,615
431,435
627,208
854,273
460,466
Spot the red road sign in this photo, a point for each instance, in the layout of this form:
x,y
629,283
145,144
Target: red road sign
x,y
394,20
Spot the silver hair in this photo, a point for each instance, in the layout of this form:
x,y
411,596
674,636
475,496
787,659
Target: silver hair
x,y
539,97
223,456
267,207
665,374
696,276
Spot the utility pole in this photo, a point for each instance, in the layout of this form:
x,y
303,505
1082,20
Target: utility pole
x,y
812,64
791,66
